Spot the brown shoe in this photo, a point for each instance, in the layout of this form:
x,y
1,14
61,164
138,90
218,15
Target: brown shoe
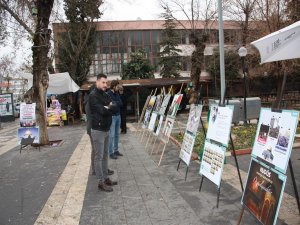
x,y
104,187
109,182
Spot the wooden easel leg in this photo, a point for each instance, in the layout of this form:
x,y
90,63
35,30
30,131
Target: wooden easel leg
x,y
143,135
148,139
241,216
218,197
153,145
162,154
236,163
294,184
201,182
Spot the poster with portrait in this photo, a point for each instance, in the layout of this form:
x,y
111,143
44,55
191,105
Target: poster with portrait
x,y
152,121
219,125
28,135
151,103
169,123
27,115
164,104
263,192
275,136
144,109
157,125
158,102
175,105
212,162
6,106
190,133
146,119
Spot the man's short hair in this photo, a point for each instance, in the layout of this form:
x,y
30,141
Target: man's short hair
x,y
101,75
114,83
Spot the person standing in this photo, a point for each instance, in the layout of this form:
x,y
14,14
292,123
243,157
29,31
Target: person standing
x,y
113,92
123,110
101,108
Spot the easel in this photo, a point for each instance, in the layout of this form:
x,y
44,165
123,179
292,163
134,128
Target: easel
x,y
24,143
236,163
203,128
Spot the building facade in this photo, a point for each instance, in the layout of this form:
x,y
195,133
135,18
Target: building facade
x,y
115,40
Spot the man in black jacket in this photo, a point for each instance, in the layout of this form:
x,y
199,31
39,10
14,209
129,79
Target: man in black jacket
x,y
101,117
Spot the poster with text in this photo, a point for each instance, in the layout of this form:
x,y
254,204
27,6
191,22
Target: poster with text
x,y
164,104
27,115
6,106
190,133
263,192
213,162
169,123
175,105
275,136
157,125
152,121
28,135
219,125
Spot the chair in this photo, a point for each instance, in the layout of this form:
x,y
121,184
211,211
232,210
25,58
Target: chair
x,y
71,118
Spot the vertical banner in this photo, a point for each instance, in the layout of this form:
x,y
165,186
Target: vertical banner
x,y
159,119
219,126
275,137
148,112
213,162
6,105
156,108
190,133
27,115
263,192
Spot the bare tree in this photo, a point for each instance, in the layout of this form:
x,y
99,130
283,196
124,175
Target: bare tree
x,y
198,37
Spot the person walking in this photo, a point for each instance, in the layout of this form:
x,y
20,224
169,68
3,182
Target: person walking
x,y
113,92
101,108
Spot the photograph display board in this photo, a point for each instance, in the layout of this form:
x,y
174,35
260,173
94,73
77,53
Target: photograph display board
x,y
219,125
213,162
152,121
164,104
144,109
175,105
27,115
274,137
263,192
6,106
190,133
148,112
158,102
151,103
169,123
28,135
157,125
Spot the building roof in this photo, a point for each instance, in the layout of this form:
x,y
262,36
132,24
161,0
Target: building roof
x,y
151,25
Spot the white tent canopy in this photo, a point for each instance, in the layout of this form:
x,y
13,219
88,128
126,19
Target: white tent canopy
x,y
280,45
59,83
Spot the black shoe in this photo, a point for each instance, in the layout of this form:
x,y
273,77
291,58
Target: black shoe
x,y
113,156
118,153
110,172
104,187
109,182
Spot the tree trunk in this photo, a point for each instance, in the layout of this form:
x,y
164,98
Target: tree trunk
x,y
40,51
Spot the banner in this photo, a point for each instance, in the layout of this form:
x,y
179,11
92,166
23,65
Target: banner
x,y
263,192
28,135
6,106
169,123
175,105
152,121
157,125
27,115
219,125
164,104
148,112
213,162
274,137
190,133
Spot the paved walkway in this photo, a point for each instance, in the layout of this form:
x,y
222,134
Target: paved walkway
x,y
54,186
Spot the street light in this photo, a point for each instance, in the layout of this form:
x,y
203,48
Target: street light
x,y
242,54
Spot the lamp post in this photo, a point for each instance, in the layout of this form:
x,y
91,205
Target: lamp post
x,y
242,54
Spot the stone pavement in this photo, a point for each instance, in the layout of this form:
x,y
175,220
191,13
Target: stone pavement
x,y
54,186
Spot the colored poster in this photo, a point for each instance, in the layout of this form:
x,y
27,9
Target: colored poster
x,y
144,109
263,192
146,118
164,104
6,106
27,115
158,102
152,121
151,103
213,162
219,126
190,133
158,123
28,135
169,123
275,136
175,105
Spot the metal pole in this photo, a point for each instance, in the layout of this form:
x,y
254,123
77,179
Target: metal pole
x,y
221,49
245,91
